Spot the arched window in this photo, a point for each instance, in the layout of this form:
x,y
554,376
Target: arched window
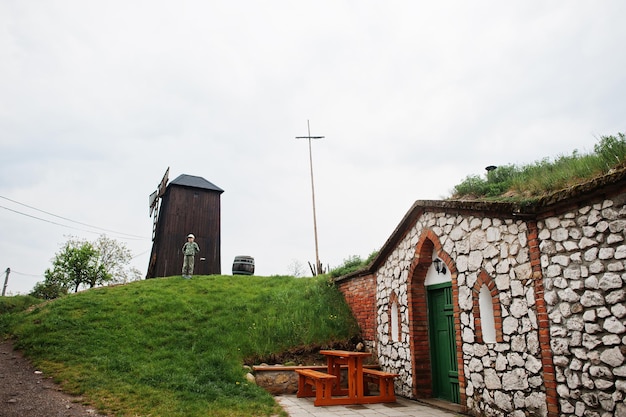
x,y
394,318
395,326
487,310
487,320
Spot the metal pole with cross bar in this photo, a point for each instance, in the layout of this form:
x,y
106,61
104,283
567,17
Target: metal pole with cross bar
x,y
318,265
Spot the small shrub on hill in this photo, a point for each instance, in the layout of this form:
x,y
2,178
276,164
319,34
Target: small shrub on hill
x,y
351,264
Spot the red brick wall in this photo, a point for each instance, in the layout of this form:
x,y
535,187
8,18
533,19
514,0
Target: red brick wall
x,y
549,376
360,293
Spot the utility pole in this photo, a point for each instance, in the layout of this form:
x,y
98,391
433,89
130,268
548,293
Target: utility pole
x,y
318,266
6,281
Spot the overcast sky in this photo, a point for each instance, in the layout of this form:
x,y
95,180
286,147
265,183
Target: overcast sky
x,y
99,98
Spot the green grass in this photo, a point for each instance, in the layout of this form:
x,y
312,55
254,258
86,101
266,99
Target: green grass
x,y
17,303
10,307
531,181
174,347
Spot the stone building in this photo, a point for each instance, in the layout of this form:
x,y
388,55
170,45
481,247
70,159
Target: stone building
x,y
505,309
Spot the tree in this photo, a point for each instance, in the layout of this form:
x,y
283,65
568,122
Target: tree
x,y
75,265
295,268
115,258
81,263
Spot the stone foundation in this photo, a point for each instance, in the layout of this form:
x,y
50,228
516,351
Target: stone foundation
x,y
279,379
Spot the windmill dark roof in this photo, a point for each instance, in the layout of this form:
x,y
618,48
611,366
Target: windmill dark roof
x,y
196,182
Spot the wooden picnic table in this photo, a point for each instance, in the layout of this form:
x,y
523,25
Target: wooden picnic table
x,y
329,389
355,392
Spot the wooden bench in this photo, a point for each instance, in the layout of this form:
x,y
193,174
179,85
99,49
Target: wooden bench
x,y
384,380
323,383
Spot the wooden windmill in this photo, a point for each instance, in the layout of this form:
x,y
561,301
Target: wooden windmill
x,y
188,204
155,197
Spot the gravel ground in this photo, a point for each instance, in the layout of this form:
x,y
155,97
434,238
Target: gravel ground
x,y
25,392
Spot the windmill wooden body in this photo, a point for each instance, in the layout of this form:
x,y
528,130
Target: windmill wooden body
x,y
189,204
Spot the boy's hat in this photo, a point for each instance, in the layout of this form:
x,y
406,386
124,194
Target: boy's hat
x,y
191,235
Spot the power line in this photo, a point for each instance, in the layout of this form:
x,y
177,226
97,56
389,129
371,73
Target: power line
x,y
142,253
69,227
70,220
125,235
13,271
45,220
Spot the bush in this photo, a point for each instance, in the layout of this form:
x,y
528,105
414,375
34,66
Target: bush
x,y
351,264
48,290
611,150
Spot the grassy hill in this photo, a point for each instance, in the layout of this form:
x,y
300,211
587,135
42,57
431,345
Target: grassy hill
x,y
173,347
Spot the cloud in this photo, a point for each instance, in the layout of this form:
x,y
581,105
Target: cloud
x,y
98,99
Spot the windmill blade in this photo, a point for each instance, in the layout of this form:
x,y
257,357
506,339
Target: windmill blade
x,y
152,200
163,184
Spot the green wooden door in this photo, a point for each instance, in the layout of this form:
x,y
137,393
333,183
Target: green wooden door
x,y
442,343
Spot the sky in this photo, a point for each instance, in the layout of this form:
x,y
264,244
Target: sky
x,y
99,98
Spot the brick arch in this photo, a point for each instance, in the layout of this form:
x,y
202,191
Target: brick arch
x,y
549,374
428,245
485,279
424,254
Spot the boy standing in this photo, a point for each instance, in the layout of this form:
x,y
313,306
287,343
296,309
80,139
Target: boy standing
x,y
190,249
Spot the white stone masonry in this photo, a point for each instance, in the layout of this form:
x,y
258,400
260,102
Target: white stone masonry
x,y
583,256
501,377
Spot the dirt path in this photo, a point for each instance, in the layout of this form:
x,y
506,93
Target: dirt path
x,y
24,392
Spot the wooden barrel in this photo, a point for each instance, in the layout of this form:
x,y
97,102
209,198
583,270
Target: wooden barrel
x,y
243,265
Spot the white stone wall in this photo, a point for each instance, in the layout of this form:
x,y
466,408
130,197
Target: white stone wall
x,y
503,379
393,277
584,265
